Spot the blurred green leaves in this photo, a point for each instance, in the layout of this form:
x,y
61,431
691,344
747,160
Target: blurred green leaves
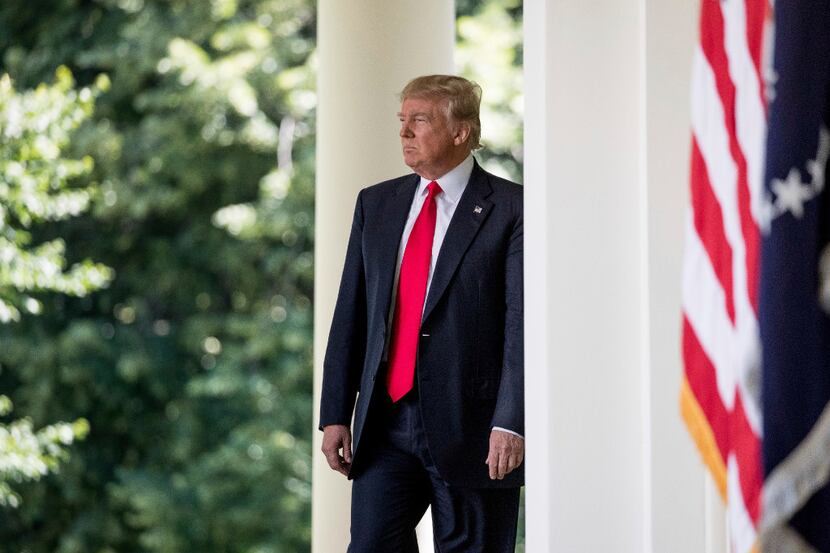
x,y
37,185
26,454
193,367
489,52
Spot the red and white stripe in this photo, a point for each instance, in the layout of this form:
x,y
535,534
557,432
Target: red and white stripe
x,y
721,346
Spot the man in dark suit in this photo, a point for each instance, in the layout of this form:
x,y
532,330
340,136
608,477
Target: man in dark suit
x,y
426,343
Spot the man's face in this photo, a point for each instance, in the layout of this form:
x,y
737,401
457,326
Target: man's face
x,y
428,140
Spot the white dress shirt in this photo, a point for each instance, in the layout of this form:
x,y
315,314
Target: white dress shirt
x,y
452,186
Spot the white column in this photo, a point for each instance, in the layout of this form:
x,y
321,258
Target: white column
x,y
368,49
583,210
610,467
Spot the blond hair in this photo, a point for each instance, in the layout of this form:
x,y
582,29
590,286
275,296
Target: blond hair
x,y
461,98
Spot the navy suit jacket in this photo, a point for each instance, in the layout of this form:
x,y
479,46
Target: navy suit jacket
x,y
470,361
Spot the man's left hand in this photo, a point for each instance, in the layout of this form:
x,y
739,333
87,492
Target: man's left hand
x,y
506,453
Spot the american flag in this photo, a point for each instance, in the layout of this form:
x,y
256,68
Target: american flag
x,y
721,391
795,285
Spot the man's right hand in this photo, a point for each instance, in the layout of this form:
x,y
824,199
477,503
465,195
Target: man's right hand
x,y
335,438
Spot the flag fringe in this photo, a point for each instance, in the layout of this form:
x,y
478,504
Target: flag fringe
x,y
702,434
785,538
800,475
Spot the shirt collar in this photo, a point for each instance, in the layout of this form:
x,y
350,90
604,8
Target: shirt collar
x,y
454,182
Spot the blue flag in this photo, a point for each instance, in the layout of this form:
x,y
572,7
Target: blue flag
x,y
794,310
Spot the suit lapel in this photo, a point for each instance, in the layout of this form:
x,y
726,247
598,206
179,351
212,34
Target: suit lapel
x,y
392,219
472,210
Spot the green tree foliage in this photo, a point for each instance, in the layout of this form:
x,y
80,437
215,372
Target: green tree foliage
x,y
35,127
37,184
489,52
193,367
26,454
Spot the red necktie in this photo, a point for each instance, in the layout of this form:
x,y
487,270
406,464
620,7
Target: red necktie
x,y
409,306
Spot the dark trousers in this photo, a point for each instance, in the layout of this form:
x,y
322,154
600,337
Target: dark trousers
x,y
399,482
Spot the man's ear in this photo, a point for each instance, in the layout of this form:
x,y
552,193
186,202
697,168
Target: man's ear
x,y
462,133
